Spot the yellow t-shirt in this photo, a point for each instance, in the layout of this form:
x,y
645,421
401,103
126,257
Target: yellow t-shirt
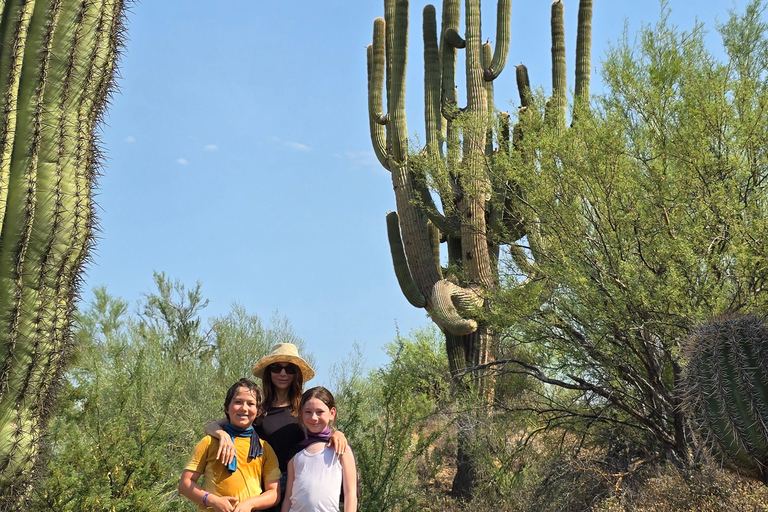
x,y
245,481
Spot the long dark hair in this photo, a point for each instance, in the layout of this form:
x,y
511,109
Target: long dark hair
x,y
294,392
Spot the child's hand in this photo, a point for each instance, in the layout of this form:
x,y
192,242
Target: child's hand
x,y
338,441
226,450
242,507
222,503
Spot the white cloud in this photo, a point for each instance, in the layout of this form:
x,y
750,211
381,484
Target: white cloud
x,y
182,161
296,146
130,138
210,147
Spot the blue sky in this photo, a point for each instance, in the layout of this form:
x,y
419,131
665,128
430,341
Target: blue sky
x,y
238,155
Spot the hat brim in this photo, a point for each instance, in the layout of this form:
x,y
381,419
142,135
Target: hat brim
x,y
306,371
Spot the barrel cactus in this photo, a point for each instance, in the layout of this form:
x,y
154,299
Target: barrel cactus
x,y
57,64
725,391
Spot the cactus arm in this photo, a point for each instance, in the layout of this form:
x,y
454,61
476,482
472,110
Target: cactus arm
x,y
397,133
486,59
523,86
559,84
583,50
432,117
450,25
503,37
434,242
400,263
376,119
453,38
445,296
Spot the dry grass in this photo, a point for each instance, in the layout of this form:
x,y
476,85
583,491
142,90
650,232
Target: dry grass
x,y
590,483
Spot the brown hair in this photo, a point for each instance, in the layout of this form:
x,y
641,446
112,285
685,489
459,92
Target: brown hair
x,y
294,392
321,394
242,383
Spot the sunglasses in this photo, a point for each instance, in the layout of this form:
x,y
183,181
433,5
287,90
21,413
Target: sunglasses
x,y
289,368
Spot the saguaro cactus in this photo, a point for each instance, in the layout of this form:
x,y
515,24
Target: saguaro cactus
x,y
56,69
478,212
725,391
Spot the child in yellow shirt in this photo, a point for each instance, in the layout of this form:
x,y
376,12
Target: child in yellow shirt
x,y
235,487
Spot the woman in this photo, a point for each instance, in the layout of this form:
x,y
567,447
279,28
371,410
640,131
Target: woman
x,y
283,374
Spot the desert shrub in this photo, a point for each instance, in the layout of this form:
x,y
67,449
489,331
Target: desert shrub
x,y
394,417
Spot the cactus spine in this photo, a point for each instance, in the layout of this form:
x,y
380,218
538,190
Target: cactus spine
x,y
56,69
725,391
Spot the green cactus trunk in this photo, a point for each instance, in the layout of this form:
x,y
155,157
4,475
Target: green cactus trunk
x,y
725,391
56,69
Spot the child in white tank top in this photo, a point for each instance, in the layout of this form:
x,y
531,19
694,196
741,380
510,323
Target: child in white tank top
x,y
316,474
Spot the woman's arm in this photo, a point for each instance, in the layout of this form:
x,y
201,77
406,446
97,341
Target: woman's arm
x,y
268,499
338,442
226,447
349,480
288,487
188,487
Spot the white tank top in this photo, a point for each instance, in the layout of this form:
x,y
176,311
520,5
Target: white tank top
x,y
316,481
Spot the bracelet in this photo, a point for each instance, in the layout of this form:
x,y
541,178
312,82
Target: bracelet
x,y
205,498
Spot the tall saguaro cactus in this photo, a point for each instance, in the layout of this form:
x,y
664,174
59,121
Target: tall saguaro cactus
x,y
478,210
57,64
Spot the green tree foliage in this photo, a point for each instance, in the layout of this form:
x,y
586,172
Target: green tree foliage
x,y
393,417
653,215
141,387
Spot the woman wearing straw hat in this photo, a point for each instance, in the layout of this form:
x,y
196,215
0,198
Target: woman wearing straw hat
x,y
283,373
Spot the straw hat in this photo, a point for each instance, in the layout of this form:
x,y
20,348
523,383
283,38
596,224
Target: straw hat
x,y
284,353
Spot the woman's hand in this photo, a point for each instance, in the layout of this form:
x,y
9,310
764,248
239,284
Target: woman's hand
x,y
226,451
338,441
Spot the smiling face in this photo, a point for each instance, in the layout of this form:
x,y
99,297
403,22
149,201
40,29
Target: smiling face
x,y
243,408
315,415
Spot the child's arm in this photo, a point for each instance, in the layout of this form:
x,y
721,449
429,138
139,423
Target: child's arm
x,y
226,447
268,499
338,442
288,488
349,480
188,487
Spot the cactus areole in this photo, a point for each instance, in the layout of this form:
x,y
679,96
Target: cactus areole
x,y
725,391
56,69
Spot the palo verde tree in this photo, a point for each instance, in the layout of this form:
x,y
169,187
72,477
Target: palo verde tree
x,y
480,203
653,214
57,64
